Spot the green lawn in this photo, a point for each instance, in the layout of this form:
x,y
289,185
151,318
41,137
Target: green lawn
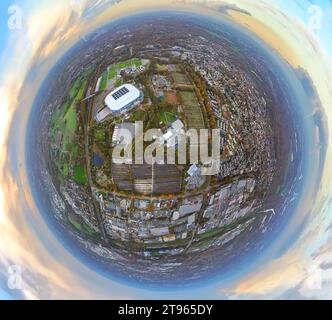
x,y
115,68
103,83
112,73
138,115
80,175
161,113
70,120
118,83
192,110
87,229
74,222
189,98
137,62
64,125
99,135
80,226
162,67
81,91
75,88
65,169
181,78
167,117
125,64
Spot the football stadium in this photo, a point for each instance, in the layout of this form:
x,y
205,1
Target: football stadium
x,y
120,100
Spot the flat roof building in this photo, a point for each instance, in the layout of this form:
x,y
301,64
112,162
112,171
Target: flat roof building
x,y
103,113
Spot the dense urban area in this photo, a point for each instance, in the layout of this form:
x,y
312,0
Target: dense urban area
x,y
188,78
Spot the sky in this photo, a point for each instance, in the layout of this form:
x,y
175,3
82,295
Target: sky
x,y
3,24
298,34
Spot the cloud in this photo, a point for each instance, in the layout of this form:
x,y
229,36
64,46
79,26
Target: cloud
x,y
25,239
224,8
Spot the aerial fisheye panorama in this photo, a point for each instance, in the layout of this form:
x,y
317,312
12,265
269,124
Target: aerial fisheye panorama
x,y
170,72
170,150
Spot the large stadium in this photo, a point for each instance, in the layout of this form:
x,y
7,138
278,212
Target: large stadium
x,y
119,101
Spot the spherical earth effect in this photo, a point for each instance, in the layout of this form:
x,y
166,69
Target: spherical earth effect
x,y
166,223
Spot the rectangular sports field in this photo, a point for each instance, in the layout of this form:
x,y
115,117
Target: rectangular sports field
x,y
181,79
192,110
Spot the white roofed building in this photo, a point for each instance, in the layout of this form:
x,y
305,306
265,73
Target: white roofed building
x,y
121,100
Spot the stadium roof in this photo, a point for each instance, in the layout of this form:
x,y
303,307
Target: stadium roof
x,y
121,97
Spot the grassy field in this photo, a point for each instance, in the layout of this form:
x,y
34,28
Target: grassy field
x,y
113,71
74,89
162,67
192,110
181,79
78,89
135,61
80,175
74,221
118,83
138,115
103,82
63,128
161,113
115,68
80,226
70,120
65,169
99,135
221,231
167,117
189,98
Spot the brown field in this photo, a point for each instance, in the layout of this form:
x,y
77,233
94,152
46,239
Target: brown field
x,y
171,97
181,79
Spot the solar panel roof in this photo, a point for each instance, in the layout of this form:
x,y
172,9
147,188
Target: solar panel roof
x,y
118,94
